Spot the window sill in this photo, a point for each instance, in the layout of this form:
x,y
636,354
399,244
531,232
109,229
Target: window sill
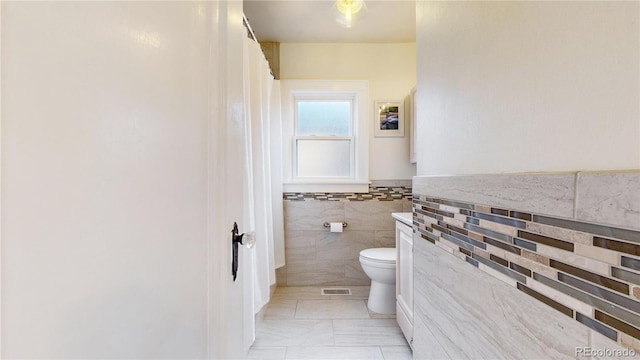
x,y
326,187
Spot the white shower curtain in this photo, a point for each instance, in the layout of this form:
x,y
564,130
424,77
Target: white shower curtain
x,y
263,187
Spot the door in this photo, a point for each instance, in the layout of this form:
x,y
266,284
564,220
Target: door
x,y
231,302
121,179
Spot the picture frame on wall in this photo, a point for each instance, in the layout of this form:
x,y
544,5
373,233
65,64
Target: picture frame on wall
x,y
388,118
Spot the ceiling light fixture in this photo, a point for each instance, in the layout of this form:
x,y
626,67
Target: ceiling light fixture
x,y
350,10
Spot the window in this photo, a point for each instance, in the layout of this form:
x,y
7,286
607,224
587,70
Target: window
x,y
326,122
323,144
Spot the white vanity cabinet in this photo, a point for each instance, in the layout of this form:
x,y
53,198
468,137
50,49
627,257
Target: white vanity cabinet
x,y
404,274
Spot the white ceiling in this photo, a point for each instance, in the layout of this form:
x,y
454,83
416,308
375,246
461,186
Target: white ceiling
x,y
305,21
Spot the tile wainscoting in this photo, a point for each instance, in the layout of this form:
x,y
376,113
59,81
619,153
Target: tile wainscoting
x,y
526,266
376,193
315,256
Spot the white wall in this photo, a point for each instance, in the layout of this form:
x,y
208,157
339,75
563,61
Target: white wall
x,y
105,180
527,86
391,71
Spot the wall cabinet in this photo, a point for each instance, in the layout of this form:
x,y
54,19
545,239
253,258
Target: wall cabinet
x,y
404,279
411,111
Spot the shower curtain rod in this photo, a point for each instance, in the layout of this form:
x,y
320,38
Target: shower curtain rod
x,y
245,21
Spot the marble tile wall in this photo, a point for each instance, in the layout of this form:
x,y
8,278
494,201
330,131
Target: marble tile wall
x,y
315,256
526,266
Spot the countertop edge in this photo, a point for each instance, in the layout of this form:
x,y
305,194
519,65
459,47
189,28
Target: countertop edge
x,y
404,217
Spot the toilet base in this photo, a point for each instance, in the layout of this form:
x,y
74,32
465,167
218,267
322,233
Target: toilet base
x,y
382,298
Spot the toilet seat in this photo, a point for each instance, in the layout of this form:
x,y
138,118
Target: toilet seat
x,y
381,256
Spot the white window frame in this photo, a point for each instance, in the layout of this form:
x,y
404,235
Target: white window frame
x,y
311,90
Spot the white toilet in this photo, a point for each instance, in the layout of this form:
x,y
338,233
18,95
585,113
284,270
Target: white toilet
x,y
380,266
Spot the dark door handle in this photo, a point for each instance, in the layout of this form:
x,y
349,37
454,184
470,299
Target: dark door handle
x,y
236,240
248,239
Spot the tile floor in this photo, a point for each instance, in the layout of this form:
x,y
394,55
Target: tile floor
x,y
300,323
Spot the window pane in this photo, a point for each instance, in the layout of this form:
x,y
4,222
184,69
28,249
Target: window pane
x,y
324,158
324,118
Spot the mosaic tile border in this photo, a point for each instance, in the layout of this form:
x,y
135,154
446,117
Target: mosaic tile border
x,y
376,193
588,272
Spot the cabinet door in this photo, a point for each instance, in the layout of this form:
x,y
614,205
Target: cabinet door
x,y
405,274
404,279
